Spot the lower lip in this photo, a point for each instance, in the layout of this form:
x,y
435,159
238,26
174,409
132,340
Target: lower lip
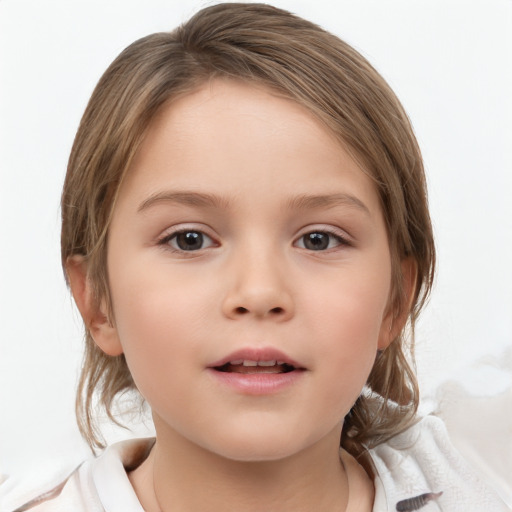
x,y
257,383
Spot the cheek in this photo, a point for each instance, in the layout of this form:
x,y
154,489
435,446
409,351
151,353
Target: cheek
x,y
159,323
348,355
153,301
349,307
347,324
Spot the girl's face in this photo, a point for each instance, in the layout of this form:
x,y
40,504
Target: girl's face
x,y
245,234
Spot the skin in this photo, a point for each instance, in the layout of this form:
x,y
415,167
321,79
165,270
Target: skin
x,y
253,283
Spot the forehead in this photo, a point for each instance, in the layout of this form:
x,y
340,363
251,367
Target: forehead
x,y
228,136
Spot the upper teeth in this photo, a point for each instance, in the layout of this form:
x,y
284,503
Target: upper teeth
x,y
248,362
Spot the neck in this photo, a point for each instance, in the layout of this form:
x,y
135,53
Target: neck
x,y
179,475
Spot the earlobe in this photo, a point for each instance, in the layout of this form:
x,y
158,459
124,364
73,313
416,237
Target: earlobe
x,y
94,316
393,323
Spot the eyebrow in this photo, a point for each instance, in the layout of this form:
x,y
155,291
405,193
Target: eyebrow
x,y
198,199
305,202
205,200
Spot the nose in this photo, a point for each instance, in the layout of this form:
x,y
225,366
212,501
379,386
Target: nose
x,y
258,288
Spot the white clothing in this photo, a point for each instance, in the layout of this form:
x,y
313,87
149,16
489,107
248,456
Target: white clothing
x,y
418,461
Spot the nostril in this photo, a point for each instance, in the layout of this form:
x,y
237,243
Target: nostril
x,y
274,311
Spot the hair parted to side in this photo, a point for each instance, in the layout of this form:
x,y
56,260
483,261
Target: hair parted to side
x,y
260,44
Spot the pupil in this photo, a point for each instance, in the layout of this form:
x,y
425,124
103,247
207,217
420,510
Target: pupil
x,y
316,241
189,240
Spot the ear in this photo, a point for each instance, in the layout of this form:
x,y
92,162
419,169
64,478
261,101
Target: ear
x,y
392,324
95,316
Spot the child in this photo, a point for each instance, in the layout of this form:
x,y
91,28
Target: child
x,y
246,235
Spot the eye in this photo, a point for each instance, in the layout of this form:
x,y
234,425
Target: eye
x,y
187,240
320,241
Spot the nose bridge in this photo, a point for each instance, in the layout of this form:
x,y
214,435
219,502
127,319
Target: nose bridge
x,y
258,284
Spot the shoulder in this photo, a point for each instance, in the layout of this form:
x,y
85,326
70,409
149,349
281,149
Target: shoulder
x,y
61,493
97,485
421,466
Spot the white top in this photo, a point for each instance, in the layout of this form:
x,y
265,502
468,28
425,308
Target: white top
x,y
412,469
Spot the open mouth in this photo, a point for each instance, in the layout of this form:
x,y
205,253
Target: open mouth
x,y
257,371
254,367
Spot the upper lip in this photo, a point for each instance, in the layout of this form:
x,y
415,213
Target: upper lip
x,y
256,354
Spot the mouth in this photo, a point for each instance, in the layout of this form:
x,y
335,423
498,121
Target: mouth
x,y
256,361
257,371
248,366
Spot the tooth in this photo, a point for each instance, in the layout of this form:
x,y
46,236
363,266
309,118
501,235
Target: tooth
x,y
266,363
280,362
250,363
237,362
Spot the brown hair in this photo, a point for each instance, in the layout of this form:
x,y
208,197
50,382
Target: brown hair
x,y
260,44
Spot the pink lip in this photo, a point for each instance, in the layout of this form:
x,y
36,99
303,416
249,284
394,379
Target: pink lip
x,y
257,383
257,354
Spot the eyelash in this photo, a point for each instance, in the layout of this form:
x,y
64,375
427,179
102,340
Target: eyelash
x,y
339,240
166,239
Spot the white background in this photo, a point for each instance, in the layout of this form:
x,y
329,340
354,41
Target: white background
x,y
450,64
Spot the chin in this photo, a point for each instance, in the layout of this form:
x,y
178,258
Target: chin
x,y
265,445
258,452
